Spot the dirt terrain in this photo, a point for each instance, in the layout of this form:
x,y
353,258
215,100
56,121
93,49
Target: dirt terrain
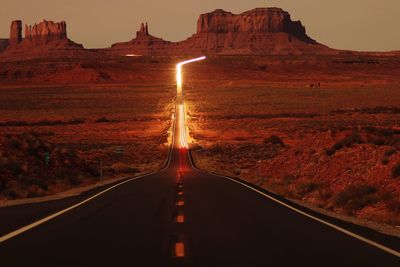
x,y
126,127
325,130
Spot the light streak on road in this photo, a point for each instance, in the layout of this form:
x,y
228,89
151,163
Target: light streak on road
x,y
182,127
181,106
179,81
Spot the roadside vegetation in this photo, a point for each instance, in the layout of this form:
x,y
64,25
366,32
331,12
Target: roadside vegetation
x,y
335,146
77,132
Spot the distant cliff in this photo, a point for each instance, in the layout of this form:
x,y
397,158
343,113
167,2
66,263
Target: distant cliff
x,y
44,39
258,31
261,31
259,20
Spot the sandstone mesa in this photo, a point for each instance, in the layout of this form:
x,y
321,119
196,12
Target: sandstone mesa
x,y
260,31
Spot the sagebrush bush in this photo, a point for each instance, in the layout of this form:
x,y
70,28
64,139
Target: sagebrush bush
x,y
390,152
102,120
307,188
356,197
385,161
273,139
396,171
354,138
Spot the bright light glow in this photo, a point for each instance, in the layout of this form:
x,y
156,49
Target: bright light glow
x,y
132,55
182,127
181,106
179,72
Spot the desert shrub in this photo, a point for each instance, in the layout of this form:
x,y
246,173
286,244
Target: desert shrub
x,y
330,151
390,152
237,172
308,187
370,129
385,161
386,136
395,142
354,138
33,150
40,183
120,167
378,141
273,139
325,193
9,193
394,205
64,173
15,143
14,167
262,67
102,120
90,169
396,171
290,178
386,132
356,197
217,149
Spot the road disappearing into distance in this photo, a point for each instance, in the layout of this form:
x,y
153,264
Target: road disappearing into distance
x,y
182,129
180,216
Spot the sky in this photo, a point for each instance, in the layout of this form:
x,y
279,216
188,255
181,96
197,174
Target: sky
x,y
365,25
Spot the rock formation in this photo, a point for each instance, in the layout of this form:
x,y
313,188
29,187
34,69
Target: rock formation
x,y
261,31
258,31
259,20
143,44
143,31
41,40
46,31
15,32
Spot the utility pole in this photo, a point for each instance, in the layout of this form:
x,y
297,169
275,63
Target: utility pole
x,y
259,172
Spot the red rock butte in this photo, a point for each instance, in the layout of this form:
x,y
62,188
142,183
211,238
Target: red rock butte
x,y
258,31
45,39
261,31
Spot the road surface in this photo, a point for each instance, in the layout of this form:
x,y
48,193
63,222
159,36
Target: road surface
x,y
183,217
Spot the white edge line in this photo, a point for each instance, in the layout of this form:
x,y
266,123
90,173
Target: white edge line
x,y
52,216
338,228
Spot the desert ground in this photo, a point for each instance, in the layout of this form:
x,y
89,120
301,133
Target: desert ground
x,y
325,131
79,127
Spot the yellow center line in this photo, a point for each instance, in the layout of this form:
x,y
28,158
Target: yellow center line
x,y
179,249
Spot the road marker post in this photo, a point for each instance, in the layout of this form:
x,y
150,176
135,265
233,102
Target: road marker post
x,y
101,171
46,161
